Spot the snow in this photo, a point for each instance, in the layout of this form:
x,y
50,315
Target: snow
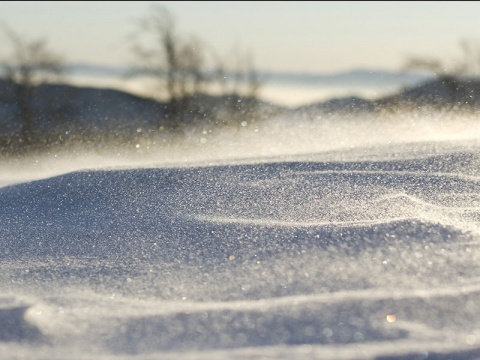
x,y
339,238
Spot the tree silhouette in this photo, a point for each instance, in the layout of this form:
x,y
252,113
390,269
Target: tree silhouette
x,y
185,66
29,64
450,72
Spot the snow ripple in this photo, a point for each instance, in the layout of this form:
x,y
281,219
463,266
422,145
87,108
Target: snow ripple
x,y
287,259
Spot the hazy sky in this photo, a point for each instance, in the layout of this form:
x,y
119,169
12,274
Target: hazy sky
x,y
295,36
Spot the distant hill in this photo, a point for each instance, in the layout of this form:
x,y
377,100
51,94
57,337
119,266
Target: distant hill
x,y
70,108
442,93
67,111
360,77
434,94
355,76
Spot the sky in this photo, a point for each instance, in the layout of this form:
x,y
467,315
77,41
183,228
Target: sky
x,y
291,36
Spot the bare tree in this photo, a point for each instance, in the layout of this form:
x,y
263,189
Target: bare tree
x,y
30,63
177,62
239,73
449,72
185,66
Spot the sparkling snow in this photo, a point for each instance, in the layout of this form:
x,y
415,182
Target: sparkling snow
x,y
339,238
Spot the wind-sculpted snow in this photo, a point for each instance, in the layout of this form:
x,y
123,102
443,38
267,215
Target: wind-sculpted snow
x,y
374,257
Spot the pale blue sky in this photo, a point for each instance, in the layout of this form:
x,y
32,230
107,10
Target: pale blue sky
x,y
318,37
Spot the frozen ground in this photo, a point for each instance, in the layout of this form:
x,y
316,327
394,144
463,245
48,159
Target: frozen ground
x,y
310,239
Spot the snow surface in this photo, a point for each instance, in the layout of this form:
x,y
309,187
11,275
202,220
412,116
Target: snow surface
x,y
315,238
